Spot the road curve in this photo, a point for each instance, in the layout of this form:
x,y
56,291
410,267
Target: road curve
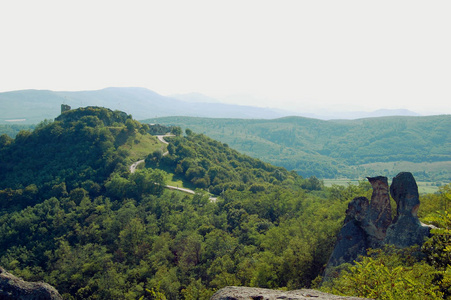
x,y
135,165
188,191
161,139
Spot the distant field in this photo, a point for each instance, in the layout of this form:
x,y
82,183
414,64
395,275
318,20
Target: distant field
x,y
330,182
442,167
423,186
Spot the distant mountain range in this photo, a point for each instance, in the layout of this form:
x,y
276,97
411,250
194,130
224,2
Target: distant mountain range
x,y
33,106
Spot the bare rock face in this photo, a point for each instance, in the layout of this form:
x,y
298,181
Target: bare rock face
x,y
247,293
406,229
14,288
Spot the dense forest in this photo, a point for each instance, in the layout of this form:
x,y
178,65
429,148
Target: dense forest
x,y
337,148
73,215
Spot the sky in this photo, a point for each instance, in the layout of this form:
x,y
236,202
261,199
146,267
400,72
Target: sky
x,y
296,55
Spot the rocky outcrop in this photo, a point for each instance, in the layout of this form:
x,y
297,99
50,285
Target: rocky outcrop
x,y
14,288
406,229
352,240
247,293
365,224
369,224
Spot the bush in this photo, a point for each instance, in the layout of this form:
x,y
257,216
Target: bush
x,y
387,273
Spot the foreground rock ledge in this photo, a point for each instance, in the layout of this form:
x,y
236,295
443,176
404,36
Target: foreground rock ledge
x,y
14,288
247,293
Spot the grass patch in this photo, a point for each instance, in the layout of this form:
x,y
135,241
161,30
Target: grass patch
x,y
139,146
176,181
173,179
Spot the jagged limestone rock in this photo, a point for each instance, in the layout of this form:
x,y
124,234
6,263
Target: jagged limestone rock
x,y
406,229
14,288
248,293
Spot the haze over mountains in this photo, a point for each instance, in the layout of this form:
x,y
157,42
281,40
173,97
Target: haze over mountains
x,y
32,106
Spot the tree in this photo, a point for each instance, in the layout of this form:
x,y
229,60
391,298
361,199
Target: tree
x,y
146,181
176,130
131,125
5,140
312,184
154,158
116,187
131,237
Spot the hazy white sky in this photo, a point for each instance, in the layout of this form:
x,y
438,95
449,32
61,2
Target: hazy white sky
x,y
288,54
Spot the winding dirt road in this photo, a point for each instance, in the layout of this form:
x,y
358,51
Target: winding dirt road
x,y
161,139
184,190
135,165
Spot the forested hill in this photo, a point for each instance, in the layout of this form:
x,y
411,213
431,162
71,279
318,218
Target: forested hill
x,y
338,148
83,147
72,214
209,164
80,145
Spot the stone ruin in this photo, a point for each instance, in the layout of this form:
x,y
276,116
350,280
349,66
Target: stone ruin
x,y
65,107
370,225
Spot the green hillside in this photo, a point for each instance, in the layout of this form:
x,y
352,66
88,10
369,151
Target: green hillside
x,y
207,163
72,214
338,148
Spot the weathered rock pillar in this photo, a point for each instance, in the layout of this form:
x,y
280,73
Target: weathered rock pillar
x,y
379,214
406,229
